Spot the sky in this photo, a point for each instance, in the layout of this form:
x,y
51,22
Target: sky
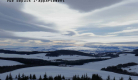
x,y
69,23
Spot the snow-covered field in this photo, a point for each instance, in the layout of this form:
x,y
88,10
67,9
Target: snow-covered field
x,y
124,58
42,56
8,63
132,69
66,71
89,68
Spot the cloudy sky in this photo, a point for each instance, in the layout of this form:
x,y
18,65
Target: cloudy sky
x,y
72,23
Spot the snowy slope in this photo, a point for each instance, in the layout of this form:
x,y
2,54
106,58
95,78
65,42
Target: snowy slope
x,y
132,69
112,62
66,71
8,63
89,68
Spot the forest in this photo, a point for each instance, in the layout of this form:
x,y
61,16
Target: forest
x,y
59,77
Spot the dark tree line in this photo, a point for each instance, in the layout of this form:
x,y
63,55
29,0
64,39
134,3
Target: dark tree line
x,y
59,77
66,52
135,51
20,52
33,77
56,53
118,69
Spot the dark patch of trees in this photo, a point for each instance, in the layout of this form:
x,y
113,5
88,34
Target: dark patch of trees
x,y
11,68
71,52
136,54
135,51
107,54
20,52
66,52
81,62
117,69
31,61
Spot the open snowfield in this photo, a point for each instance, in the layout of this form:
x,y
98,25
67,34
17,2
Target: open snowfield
x,y
124,58
66,71
9,63
132,69
42,56
89,68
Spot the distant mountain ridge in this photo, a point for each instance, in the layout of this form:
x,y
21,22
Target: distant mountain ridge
x,y
68,52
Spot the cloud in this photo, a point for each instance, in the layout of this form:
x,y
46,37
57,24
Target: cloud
x,y
117,15
70,33
112,24
64,18
94,21
89,5
13,19
125,43
5,34
126,31
87,34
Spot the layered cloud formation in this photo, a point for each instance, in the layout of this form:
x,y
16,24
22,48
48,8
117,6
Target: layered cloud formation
x,y
73,23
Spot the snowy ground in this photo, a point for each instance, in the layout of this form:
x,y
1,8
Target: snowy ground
x,y
66,71
8,63
124,58
42,56
89,68
132,69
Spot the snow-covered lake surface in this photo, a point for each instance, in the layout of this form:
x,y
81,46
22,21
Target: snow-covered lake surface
x,y
89,68
9,63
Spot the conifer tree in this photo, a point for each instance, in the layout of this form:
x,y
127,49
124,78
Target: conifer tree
x,y
19,76
23,75
129,78
93,77
26,77
34,77
114,78
121,78
108,78
16,77
63,77
50,78
30,76
86,77
10,76
45,77
98,77
74,77
82,77
59,77
55,78
7,77
40,78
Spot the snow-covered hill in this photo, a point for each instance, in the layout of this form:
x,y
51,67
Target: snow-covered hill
x,y
89,68
9,63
